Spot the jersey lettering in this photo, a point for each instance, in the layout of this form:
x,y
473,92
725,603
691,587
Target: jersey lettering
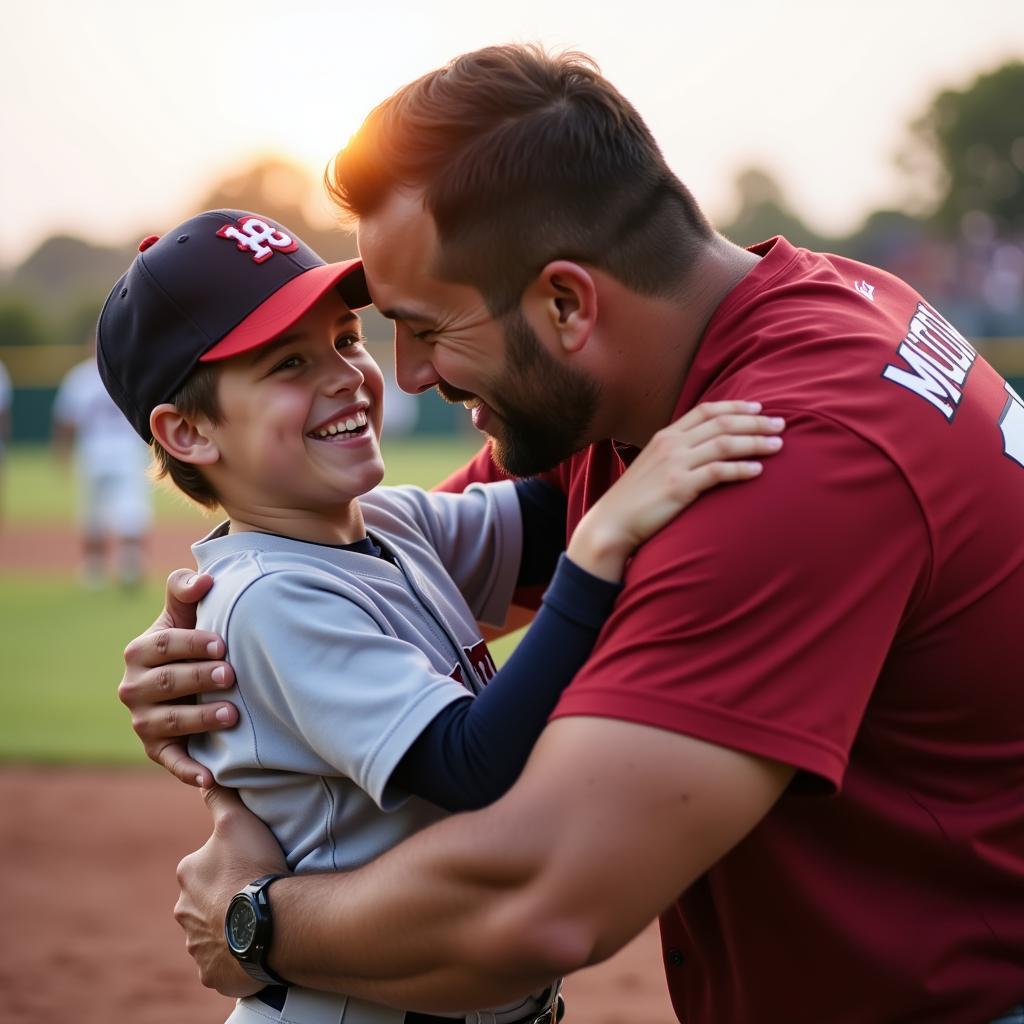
x,y
258,237
940,358
1011,423
479,659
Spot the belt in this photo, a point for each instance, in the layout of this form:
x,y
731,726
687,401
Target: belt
x,y
274,995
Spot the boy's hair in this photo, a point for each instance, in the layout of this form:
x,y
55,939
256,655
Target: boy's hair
x,y
196,397
523,158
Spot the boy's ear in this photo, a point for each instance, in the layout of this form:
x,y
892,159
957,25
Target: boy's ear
x,y
566,296
181,437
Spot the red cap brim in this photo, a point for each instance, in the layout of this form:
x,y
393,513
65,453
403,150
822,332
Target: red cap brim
x,y
289,304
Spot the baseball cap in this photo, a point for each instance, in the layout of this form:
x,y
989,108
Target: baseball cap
x,y
221,283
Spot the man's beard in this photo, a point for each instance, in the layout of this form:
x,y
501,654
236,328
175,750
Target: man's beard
x,y
546,409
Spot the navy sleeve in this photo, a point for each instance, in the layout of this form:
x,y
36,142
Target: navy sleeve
x,y
472,752
544,511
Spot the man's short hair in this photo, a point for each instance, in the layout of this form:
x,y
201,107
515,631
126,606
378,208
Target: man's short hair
x,y
196,397
524,158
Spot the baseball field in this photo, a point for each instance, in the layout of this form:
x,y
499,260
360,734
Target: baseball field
x,y
89,830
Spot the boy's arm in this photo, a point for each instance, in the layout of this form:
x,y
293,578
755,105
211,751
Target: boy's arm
x,y
472,753
475,749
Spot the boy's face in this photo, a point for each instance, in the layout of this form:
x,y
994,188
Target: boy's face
x,y
300,418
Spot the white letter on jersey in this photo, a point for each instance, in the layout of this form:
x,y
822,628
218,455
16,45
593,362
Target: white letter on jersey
x,y
1011,423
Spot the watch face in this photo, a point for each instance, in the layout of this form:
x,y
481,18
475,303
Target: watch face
x,y
241,925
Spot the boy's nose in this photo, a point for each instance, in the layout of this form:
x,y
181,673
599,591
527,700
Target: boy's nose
x,y
344,376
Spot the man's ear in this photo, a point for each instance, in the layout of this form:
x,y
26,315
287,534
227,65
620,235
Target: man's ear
x,y
181,437
566,295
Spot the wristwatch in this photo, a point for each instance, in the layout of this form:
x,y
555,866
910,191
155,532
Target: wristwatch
x,y
249,927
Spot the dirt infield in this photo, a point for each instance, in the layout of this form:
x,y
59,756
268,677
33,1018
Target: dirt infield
x,y
28,548
87,859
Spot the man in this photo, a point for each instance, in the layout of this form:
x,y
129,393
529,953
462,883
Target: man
x,y
798,736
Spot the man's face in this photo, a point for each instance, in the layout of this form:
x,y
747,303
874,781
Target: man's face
x,y
545,408
535,410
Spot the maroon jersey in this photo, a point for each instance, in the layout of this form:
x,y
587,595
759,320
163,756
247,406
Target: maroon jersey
x,y
856,613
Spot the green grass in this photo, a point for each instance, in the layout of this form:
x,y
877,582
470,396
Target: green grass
x,y
425,462
61,665
60,645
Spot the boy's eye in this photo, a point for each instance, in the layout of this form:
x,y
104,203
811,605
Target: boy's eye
x,y
422,335
287,364
349,341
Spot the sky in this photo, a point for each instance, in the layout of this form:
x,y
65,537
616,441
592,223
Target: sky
x,y
117,114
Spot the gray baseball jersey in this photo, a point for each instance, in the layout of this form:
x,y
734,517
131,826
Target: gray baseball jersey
x,y
341,660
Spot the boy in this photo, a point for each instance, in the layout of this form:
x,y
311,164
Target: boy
x,y
350,613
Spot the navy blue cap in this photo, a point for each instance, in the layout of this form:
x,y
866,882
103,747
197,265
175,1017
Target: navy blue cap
x,y
221,283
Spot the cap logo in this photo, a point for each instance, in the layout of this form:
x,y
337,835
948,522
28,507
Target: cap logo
x,y
258,237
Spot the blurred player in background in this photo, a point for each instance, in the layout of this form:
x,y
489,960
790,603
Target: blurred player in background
x,y
5,427
115,500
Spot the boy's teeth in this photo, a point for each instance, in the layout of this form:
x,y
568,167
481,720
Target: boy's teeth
x,y
342,426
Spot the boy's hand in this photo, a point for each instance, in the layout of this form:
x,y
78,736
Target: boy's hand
x,y
714,443
165,668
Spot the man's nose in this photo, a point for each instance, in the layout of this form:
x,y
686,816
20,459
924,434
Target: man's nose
x,y
414,367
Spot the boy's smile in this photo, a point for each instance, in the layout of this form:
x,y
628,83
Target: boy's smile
x,y
298,433
341,427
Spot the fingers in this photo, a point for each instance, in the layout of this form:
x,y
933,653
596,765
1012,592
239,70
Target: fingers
x,y
160,646
715,431
713,473
221,802
734,446
709,410
167,666
160,724
174,757
184,589
172,681
240,837
732,423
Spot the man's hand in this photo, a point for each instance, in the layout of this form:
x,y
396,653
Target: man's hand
x,y
165,668
240,850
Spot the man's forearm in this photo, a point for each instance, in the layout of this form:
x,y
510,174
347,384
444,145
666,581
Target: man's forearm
x,y
608,824
424,927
